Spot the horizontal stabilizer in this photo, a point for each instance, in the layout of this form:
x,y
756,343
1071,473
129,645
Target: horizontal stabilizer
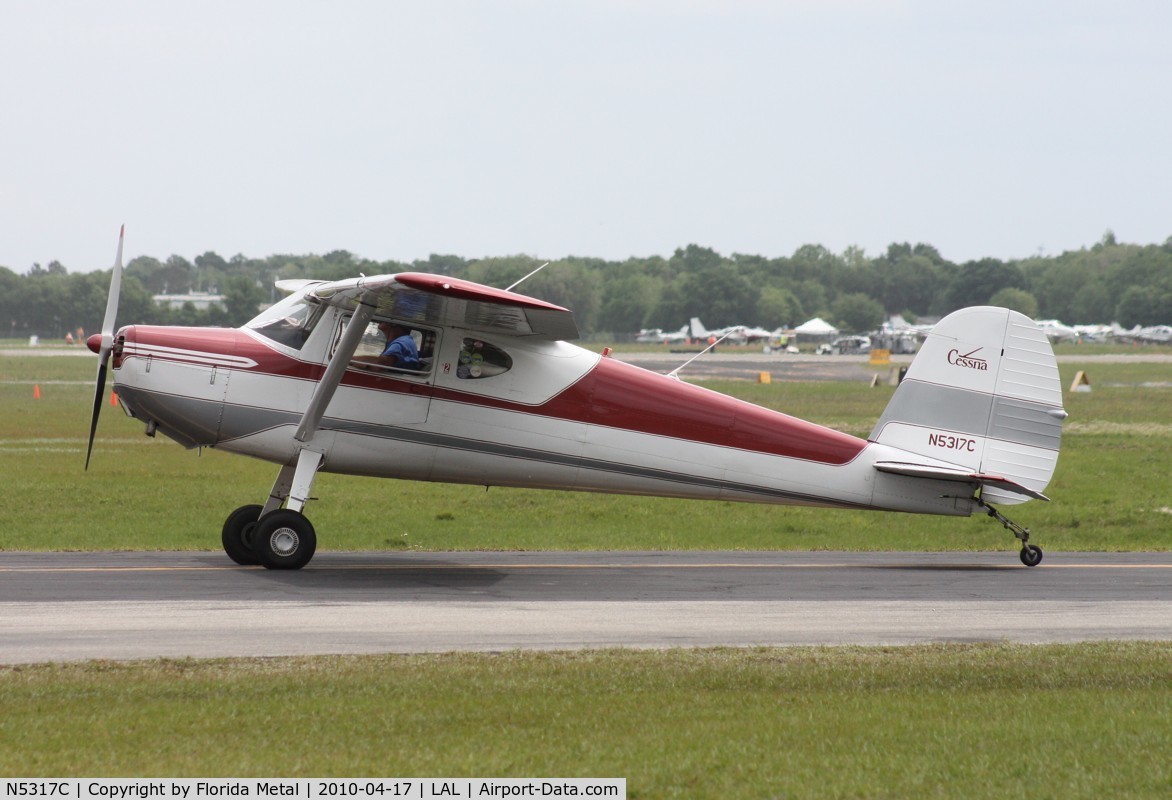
x,y
956,474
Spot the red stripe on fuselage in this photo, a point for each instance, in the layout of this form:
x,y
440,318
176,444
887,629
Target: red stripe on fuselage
x,y
612,395
619,395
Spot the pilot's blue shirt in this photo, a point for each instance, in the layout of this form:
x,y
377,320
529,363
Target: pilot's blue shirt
x,y
405,352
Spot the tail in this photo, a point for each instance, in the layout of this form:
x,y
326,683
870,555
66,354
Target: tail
x,y
982,402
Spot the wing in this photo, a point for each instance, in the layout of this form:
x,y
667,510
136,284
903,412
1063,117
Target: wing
x,y
436,300
290,285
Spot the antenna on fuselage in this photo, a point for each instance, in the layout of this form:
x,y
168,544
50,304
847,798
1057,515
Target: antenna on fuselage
x,y
527,277
675,373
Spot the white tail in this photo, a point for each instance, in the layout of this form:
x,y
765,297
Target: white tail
x,y
983,395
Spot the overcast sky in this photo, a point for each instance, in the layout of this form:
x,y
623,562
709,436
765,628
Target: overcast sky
x,y
609,128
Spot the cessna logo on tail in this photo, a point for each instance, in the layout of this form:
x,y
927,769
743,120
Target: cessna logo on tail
x,y
968,360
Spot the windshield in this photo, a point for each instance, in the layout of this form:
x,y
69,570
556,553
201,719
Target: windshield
x,y
288,322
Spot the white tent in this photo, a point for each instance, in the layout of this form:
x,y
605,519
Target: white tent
x,y
816,327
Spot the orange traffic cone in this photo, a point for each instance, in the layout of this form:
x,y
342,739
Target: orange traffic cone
x,y
36,391
113,399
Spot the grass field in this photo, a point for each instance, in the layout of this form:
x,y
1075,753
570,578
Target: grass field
x,y
1110,492
1091,721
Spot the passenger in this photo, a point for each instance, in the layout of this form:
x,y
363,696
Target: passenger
x,y
400,351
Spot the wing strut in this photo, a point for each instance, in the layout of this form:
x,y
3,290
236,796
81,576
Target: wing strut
x,y
333,375
295,480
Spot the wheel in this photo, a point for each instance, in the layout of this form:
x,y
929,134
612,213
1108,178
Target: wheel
x,y
284,539
1031,555
237,535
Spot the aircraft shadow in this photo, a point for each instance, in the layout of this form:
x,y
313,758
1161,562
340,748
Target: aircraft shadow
x,y
386,577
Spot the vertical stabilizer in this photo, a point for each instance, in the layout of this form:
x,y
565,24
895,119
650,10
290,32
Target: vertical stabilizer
x,y
982,394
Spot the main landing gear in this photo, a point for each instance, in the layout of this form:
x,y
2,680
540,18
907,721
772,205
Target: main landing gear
x,y
284,539
1031,554
275,537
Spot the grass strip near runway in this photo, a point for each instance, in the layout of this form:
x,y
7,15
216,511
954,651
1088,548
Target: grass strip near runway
x,y
1110,491
1062,721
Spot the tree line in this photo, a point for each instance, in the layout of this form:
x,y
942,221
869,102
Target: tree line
x,y
1109,281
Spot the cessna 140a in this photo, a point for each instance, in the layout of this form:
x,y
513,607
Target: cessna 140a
x,y
500,398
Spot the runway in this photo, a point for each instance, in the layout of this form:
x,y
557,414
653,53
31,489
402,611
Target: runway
x,y
74,606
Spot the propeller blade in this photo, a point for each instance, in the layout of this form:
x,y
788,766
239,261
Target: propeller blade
x,y
107,343
112,297
101,390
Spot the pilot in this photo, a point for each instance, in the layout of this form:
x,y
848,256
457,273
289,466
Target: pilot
x,y
400,351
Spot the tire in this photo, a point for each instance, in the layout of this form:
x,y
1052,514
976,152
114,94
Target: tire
x,y
284,539
237,533
1031,555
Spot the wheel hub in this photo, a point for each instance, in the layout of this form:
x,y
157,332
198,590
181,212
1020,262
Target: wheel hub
x,y
284,541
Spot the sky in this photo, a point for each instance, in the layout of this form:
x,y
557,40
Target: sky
x,y
611,128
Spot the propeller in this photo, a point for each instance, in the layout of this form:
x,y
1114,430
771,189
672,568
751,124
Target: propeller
x,y
107,342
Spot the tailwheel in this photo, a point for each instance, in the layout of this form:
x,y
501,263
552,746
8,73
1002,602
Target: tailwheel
x,y
1031,555
284,539
237,535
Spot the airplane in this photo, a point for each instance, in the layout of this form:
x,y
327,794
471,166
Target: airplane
x,y
501,397
732,333
752,333
1056,331
658,336
739,334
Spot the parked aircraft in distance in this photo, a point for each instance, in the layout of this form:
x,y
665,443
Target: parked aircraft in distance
x,y
480,386
734,334
659,337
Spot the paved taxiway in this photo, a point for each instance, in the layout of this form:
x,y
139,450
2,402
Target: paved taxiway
x,y
67,606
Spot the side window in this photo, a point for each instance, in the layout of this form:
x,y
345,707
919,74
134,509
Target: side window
x,y
373,342
412,348
479,359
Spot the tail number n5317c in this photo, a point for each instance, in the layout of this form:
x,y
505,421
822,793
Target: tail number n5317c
x,y
950,442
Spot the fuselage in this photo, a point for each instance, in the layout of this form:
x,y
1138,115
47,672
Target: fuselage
x,y
558,417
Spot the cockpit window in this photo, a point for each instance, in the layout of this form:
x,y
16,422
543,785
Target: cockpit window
x,y
288,322
383,348
479,359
